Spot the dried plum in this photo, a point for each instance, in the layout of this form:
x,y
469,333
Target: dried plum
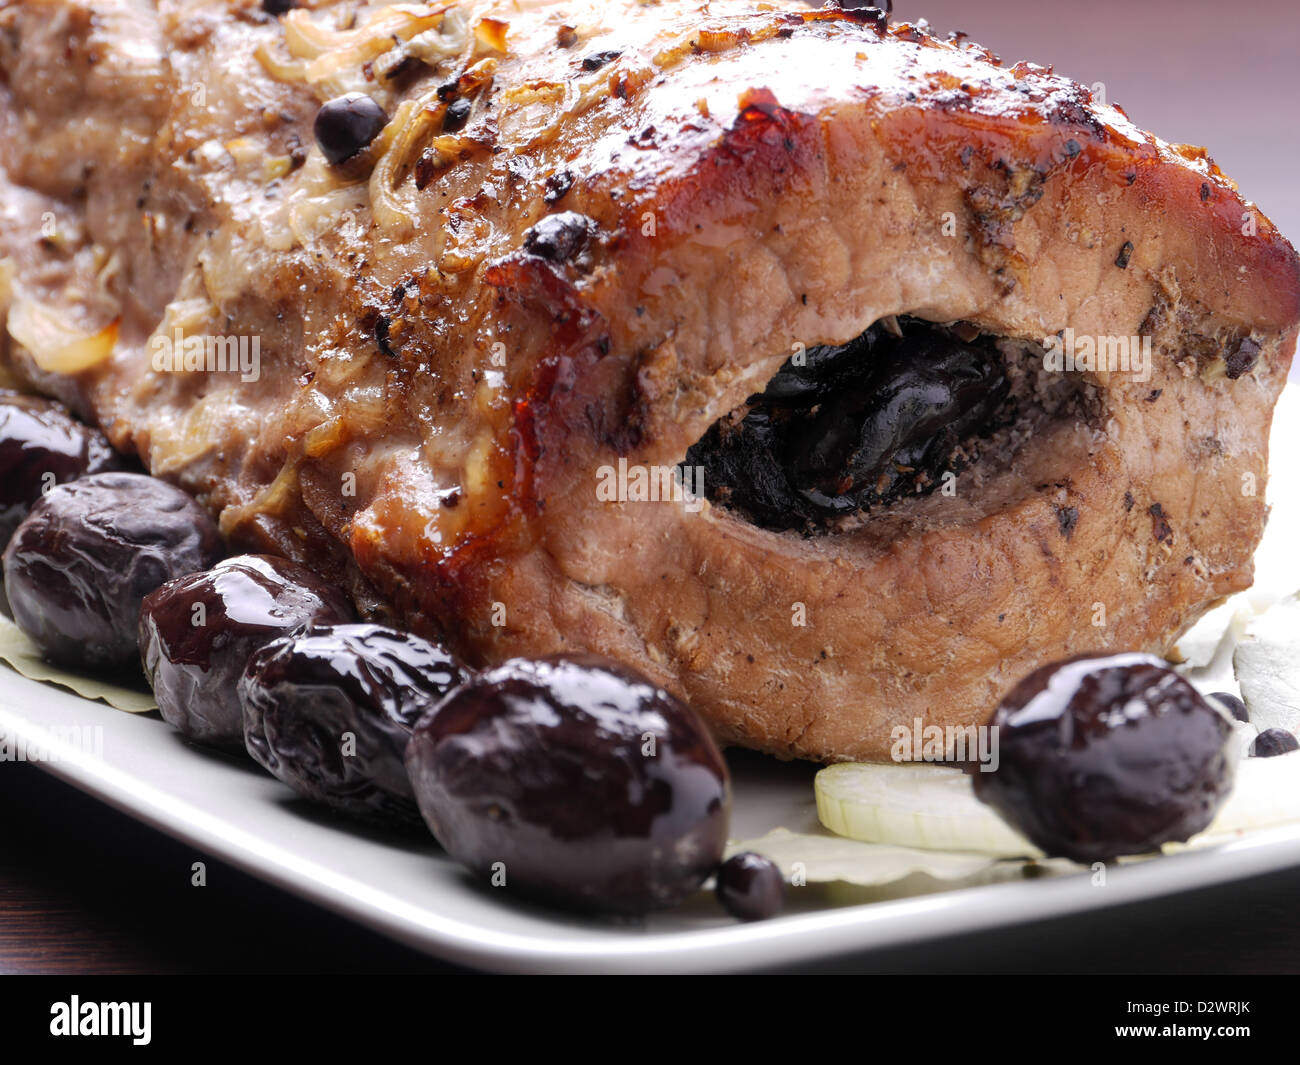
x,y
330,713
1233,704
847,427
81,563
41,445
574,780
1272,742
197,633
750,887
1101,757
346,125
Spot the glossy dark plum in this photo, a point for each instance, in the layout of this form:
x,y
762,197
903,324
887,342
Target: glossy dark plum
x,y
1101,757
197,633
330,713
1233,704
347,124
578,781
81,563
750,887
1272,742
852,426
42,445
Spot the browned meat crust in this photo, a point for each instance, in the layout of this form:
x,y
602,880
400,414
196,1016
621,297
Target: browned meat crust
x,y
441,378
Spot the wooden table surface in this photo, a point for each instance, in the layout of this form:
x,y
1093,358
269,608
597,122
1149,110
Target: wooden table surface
x,y
86,890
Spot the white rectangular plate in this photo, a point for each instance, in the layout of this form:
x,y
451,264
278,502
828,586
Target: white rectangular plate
x,y
405,888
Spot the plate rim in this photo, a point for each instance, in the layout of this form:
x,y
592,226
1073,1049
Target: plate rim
x,y
792,939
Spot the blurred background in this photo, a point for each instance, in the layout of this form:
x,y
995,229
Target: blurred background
x,y
1219,75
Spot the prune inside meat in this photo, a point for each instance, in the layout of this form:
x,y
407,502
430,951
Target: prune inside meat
x,y
330,713
41,445
81,563
1102,757
197,633
576,778
844,428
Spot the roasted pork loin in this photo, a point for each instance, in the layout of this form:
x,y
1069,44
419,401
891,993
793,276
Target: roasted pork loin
x,y
966,371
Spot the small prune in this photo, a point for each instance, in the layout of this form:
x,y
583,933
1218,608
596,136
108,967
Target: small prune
x,y
81,563
42,445
197,633
928,393
578,780
1233,704
346,125
751,887
1272,742
1101,757
561,237
330,712
598,59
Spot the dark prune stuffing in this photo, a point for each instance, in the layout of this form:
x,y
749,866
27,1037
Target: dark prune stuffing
x,y
41,445
1232,703
848,427
1272,742
925,399
330,712
750,887
1101,757
79,567
347,124
578,781
197,633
